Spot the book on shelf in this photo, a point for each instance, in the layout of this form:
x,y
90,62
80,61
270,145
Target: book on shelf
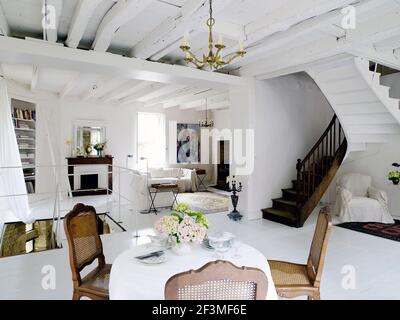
x,y
27,156
24,114
29,174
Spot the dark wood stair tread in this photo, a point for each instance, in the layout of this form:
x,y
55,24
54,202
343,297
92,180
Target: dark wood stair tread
x,y
280,216
284,201
292,191
281,213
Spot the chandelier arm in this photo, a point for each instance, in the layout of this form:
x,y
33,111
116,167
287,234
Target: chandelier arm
x,y
194,57
230,59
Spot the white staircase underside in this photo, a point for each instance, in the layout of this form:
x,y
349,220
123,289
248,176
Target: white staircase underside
x,y
366,111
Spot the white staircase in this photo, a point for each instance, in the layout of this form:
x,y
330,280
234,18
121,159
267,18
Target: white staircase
x,y
363,106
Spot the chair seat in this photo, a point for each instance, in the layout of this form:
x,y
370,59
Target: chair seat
x,y
97,281
286,274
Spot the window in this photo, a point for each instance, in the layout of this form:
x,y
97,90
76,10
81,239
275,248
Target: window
x,y
151,138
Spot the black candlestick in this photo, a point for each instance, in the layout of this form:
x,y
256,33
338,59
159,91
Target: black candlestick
x,y
235,215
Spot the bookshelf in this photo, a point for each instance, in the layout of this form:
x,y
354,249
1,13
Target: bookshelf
x,y
24,119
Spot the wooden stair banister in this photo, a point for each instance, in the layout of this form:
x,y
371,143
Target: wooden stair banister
x,y
318,163
314,175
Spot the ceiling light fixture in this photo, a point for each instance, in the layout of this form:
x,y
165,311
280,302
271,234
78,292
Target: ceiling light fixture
x,y
206,123
214,59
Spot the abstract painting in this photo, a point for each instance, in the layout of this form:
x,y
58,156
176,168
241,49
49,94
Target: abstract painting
x,y
188,143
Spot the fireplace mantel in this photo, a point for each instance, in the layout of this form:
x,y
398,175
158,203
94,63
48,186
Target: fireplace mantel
x,y
87,161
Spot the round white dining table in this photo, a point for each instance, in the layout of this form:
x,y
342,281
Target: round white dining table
x,y
133,280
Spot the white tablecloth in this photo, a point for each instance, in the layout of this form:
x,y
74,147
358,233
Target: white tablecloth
x,y
132,280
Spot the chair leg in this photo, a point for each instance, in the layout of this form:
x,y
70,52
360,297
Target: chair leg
x,y
314,296
76,296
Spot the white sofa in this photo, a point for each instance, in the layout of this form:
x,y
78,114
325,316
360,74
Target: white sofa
x,y
358,201
186,179
134,186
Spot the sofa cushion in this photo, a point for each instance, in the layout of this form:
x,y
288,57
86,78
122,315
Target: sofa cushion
x,y
156,173
172,172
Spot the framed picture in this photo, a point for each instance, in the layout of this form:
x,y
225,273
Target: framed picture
x,y
188,143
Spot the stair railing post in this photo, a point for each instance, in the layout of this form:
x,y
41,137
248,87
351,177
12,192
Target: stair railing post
x,y
298,188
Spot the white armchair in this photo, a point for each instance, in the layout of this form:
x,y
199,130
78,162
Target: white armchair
x,y
358,201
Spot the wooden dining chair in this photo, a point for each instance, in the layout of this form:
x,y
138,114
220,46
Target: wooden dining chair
x,y
294,280
84,248
218,280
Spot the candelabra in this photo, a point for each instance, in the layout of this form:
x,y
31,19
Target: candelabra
x,y
235,215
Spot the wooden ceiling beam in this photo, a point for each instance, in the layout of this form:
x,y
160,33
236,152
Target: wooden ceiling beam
x,y
83,12
121,13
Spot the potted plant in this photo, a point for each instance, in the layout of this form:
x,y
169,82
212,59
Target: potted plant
x,y
183,227
394,176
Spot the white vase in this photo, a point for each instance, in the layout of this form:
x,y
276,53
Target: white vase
x,y
181,249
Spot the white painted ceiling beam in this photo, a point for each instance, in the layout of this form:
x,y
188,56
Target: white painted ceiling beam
x,y
101,89
4,27
175,94
215,106
281,19
191,97
51,33
373,30
161,92
275,42
128,88
83,12
13,50
122,12
148,89
202,102
171,31
71,84
35,77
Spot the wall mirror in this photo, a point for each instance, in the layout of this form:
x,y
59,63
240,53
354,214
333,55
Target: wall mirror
x,y
87,135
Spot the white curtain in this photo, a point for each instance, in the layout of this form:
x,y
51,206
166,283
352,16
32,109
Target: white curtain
x,y
12,181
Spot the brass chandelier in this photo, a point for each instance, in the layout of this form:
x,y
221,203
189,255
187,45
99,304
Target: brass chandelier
x,y
214,60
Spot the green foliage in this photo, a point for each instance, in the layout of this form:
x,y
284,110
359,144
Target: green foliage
x,y
181,210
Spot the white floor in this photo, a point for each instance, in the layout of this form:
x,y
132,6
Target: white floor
x,y
374,260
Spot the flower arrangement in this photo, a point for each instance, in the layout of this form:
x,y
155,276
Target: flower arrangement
x,y
183,225
99,147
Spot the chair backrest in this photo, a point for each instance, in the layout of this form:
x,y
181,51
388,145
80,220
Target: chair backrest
x,y
218,280
356,183
319,244
83,239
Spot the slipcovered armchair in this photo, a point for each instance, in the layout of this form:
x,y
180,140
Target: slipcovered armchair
x,y
358,201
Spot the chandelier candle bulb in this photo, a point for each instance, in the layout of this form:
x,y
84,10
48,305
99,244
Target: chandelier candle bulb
x,y
241,47
220,40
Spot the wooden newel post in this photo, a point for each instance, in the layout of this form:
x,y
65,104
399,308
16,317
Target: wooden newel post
x,y
299,165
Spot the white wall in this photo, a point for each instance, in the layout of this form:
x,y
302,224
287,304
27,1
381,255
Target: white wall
x,y
289,115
